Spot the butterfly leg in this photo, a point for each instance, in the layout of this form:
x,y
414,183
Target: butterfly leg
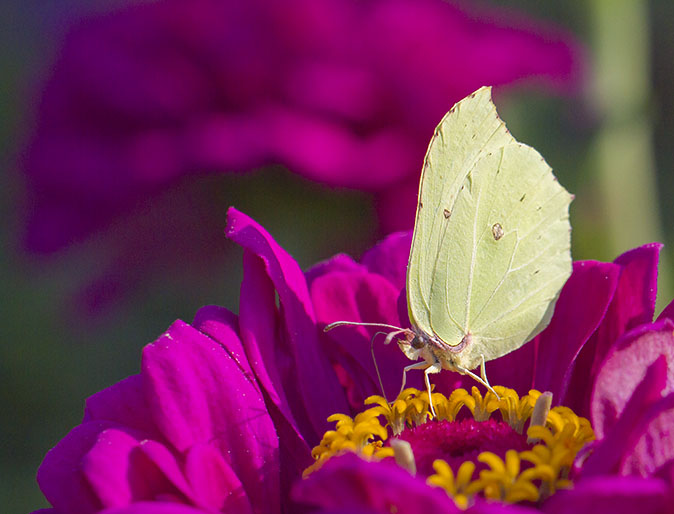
x,y
482,380
483,375
433,368
417,365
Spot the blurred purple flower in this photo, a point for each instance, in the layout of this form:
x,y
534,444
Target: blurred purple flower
x,y
224,411
345,92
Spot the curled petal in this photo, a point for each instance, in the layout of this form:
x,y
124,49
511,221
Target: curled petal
x,y
630,423
348,482
318,384
619,495
389,258
625,367
60,477
362,297
191,403
581,307
633,304
123,403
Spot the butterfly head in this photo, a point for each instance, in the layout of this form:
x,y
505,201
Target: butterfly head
x,y
417,344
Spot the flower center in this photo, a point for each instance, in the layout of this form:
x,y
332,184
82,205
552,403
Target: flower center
x,y
460,441
463,449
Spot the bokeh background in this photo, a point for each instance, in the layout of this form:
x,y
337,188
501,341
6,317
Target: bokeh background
x,y
74,317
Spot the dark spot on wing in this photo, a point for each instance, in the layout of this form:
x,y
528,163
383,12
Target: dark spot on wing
x,y
497,231
447,213
522,199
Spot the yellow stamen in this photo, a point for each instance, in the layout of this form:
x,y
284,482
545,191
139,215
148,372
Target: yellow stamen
x,y
461,487
558,433
481,407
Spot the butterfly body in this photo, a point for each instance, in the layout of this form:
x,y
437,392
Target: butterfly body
x,y
420,345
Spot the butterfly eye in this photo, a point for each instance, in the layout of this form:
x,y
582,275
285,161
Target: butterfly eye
x,y
497,231
416,343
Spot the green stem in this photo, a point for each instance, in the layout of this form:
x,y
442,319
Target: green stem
x,y
624,147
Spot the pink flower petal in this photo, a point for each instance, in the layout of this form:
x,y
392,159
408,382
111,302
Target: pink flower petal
x,y
335,154
222,326
272,357
192,403
319,388
389,258
215,484
654,451
156,508
348,482
123,403
396,205
633,304
639,280
618,495
482,507
580,309
340,262
626,430
168,464
624,368
119,473
60,477
362,297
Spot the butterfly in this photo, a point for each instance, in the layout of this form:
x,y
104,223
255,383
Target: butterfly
x,y
490,250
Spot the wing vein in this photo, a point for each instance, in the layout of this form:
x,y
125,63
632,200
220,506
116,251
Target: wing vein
x,y
503,278
522,300
471,272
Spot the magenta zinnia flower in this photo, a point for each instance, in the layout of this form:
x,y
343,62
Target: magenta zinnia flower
x,y
225,410
345,92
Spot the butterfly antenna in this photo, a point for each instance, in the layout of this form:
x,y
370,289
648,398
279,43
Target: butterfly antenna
x,y
359,324
376,367
389,338
393,331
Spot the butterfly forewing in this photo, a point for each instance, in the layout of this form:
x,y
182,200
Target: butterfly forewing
x,y
490,251
469,130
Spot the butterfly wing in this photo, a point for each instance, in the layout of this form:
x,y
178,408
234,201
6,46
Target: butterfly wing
x,y
491,247
468,131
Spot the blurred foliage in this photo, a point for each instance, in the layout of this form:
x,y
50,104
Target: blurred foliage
x,y
51,359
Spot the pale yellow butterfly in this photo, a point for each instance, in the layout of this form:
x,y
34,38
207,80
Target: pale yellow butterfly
x,y
491,245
